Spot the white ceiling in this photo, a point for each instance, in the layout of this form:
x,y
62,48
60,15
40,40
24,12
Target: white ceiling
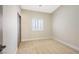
x,y
40,8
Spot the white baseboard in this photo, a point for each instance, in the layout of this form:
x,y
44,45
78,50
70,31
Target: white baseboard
x,y
41,38
67,44
55,38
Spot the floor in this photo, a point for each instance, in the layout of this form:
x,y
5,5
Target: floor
x,y
45,46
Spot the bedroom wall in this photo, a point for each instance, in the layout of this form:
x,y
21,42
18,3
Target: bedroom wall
x,y
26,22
65,25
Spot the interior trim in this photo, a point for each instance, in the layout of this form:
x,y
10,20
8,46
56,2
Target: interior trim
x,y
67,44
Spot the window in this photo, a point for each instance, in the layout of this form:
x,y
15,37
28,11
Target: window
x,y
37,24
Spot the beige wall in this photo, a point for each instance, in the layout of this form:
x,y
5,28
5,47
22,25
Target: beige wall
x,y
27,33
66,25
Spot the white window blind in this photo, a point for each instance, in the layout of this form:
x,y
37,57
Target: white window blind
x,y
37,24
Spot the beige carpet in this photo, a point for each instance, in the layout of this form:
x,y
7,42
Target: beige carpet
x,y
45,46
